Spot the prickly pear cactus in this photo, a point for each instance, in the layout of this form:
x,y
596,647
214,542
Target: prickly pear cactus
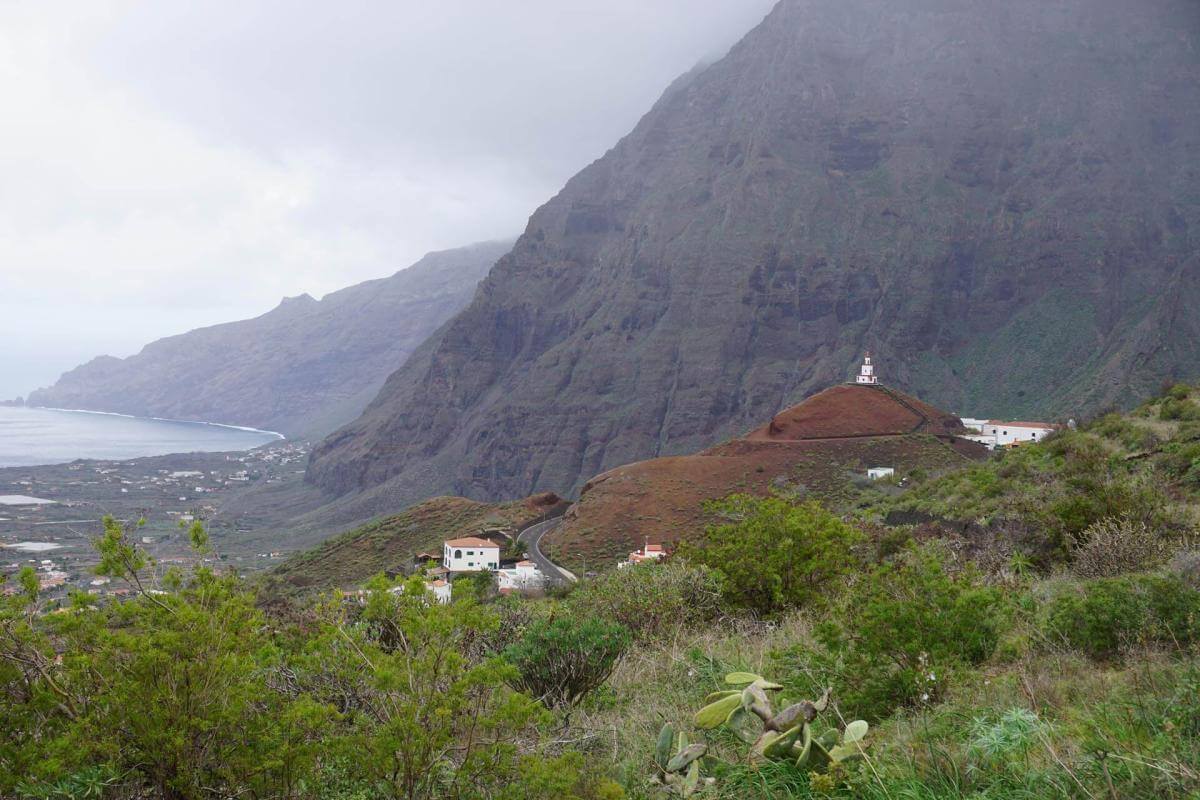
x,y
678,762
786,735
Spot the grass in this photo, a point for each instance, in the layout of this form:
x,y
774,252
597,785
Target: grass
x,y
1046,724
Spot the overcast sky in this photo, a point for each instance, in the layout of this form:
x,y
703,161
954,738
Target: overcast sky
x,y
166,165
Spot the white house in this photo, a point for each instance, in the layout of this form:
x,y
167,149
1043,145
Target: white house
x,y
649,552
971,423
441,590
1008,434
525,575
876,473
470,555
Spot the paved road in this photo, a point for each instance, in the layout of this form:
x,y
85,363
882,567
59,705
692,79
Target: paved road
x,y
531,537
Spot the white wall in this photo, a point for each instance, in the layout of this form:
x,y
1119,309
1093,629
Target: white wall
x,y
1010,434
470,559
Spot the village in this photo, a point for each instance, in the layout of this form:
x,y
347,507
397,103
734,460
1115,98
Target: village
x,y
475,555
49,514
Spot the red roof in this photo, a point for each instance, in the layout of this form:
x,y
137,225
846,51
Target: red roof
x,y
472,541
526,564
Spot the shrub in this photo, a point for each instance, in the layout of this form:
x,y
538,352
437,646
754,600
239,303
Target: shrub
x,y
1181,461
1176,409
1094,494
1174,608
903,626
1186,565
995,743
1102,617
1099,617
651,599
1115,546
560,660
773,553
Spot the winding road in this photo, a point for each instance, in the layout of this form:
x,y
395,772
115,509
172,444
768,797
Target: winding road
x,y
531,537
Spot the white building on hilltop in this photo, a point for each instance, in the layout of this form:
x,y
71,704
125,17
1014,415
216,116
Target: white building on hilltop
x,y
470,554
1013,433
993,433
866,374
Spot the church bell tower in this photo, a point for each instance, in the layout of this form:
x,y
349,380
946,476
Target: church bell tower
x,y
866,374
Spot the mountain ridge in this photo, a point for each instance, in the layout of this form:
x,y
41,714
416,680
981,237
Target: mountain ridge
x,y
303,368
998,200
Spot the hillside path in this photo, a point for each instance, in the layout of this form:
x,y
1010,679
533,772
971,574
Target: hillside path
x,y
531,537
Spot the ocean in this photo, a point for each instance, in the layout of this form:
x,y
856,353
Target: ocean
x,y
31,436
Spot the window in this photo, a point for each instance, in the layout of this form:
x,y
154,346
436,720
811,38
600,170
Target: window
x,y
458,553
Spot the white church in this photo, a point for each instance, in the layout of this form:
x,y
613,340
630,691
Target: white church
x,y
866,374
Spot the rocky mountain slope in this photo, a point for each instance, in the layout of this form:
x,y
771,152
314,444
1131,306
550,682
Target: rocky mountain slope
x,y
302,369
999,199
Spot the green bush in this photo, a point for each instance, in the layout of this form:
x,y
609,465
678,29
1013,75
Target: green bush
x,y
1099,617
903,628
560,660
1102,617
1179,391
651,599
1177,409
1174,608
773,554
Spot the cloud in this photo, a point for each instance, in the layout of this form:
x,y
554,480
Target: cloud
x,y
168,165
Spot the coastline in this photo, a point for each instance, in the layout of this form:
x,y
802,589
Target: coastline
x,y
245,428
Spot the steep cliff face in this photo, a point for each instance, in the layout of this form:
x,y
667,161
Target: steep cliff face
x,y
302,369
1000,200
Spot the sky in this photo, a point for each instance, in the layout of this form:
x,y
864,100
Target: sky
x,y
166,165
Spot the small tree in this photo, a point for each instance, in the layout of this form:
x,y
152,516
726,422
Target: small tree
x,y
904,626
561,659
774,554
651,599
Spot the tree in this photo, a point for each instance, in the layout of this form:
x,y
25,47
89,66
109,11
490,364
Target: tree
x,y
424,719
560,660
169,690
772,553
904,627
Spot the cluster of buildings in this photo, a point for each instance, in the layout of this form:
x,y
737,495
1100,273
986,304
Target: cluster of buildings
x,y
996,433
648,553
475,554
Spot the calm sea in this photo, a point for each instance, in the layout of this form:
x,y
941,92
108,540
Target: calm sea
x,y
30,436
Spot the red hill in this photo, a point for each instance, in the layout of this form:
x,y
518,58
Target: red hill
x,y
819,445
851,411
